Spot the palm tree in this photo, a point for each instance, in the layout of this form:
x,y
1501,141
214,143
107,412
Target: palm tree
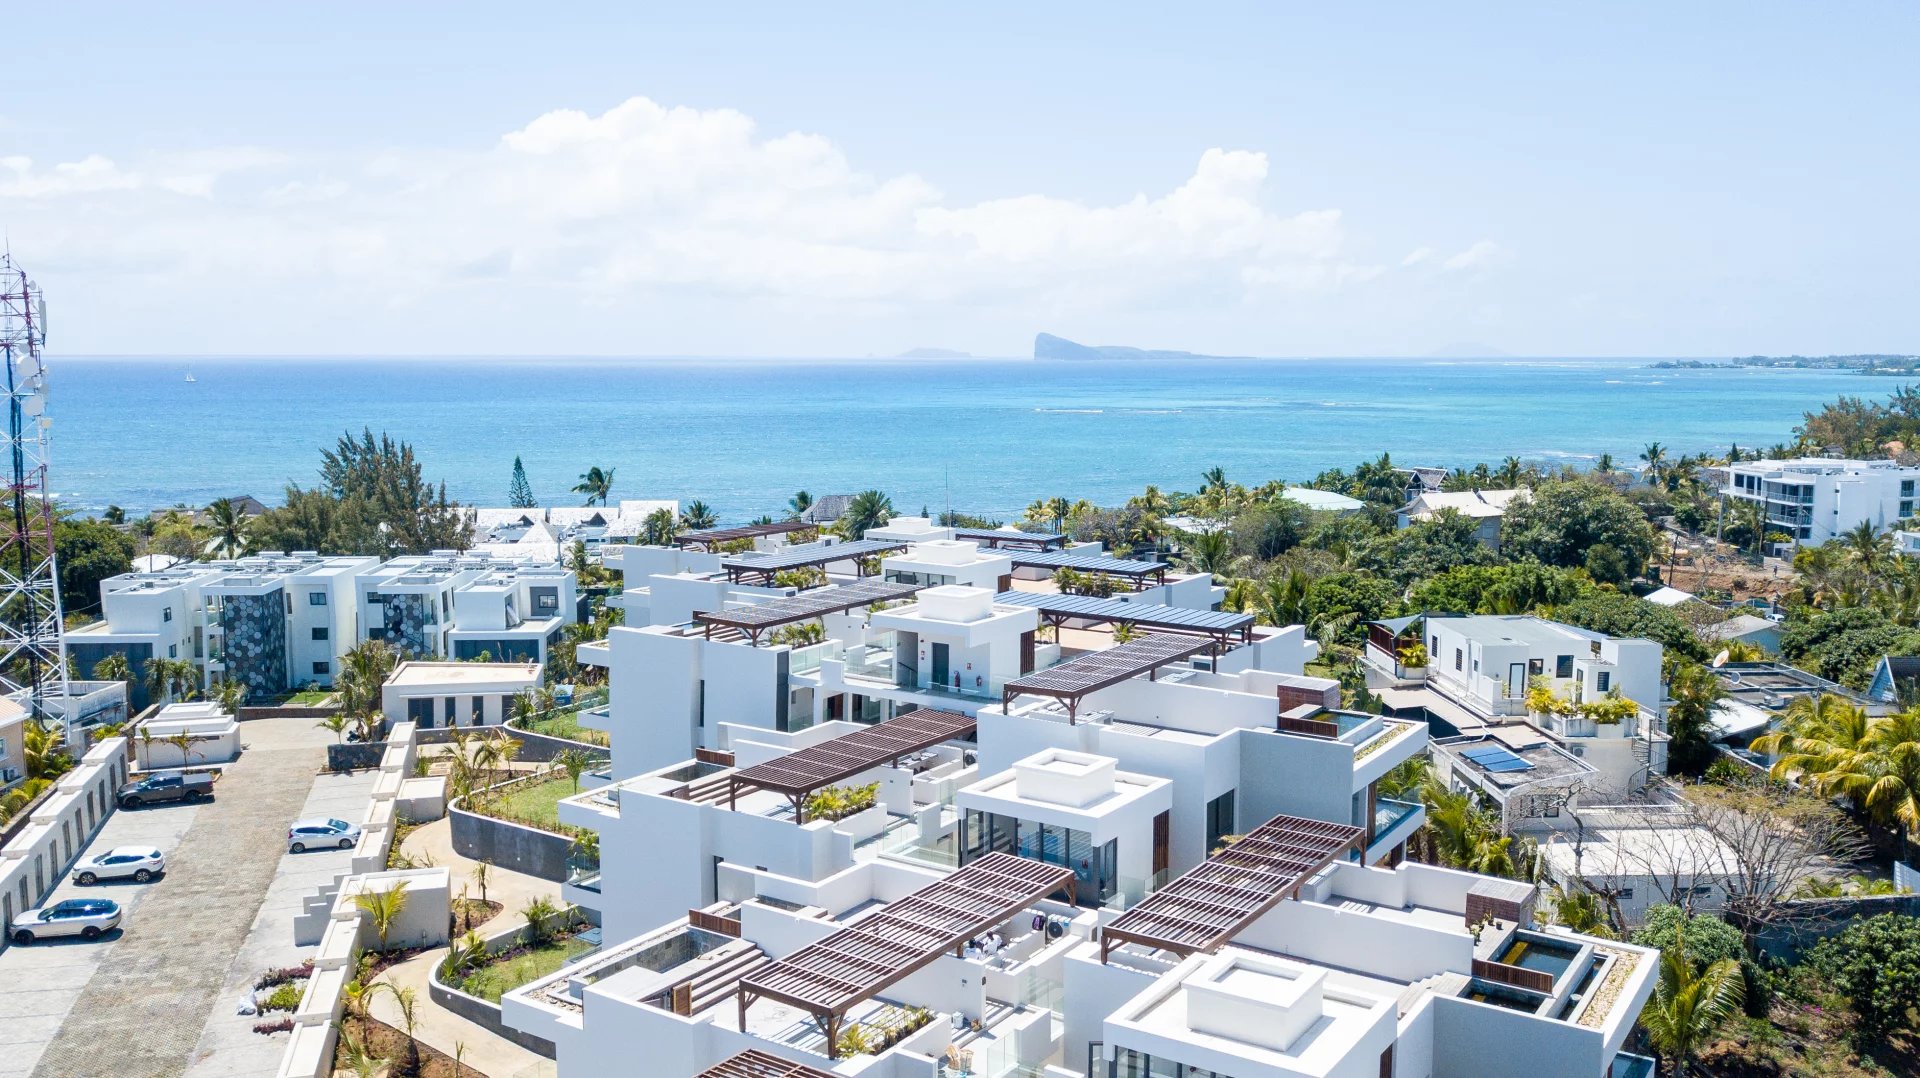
x,y
1689,1005
798,505
1510,472
1884,778
406,999
159,680
1818,736
696,516
1282,599
1210,552
383,909
1058,508
360,1058
595,484
337,723
658,528
40,745
229,526
1605,465
184,742
865,510
1581,911
1655,456
1866,546
1213,481
231,695
481,870
113,668
364,670
574,763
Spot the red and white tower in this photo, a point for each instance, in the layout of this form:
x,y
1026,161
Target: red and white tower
x,y
32,652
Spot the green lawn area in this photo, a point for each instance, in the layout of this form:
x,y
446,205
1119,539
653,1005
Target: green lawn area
x,y
567,725
533,804
309,698
501,976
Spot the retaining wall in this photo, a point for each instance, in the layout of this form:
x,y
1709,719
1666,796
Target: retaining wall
x,y
479,1011
51,834
536,748
529,850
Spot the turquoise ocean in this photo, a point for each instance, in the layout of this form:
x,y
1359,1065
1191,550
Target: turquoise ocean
x,y
985,436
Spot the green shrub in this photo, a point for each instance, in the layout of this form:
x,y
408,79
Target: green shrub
x,y
284,998
1875,963
1709,939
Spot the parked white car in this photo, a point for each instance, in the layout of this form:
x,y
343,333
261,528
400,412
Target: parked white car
x,y
322,834
136,863
88,918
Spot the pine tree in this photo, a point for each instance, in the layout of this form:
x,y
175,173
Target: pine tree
x,y
520,492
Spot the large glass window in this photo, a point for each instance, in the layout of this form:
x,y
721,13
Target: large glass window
x,y
1093,867
1128,1063
1219,819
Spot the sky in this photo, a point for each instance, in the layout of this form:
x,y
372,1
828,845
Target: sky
x,y
862,179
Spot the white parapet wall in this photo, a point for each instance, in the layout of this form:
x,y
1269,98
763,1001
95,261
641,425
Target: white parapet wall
x,y
422,922
36,857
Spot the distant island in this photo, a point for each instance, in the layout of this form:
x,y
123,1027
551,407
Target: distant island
x,y
933,353
1864,364
1048,346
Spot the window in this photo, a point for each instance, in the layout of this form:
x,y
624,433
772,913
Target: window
x,y
1459,659
1219,818
1603,681
316,598
1536,667
1563,666
322,668
166,614
173,651
1906,488
375,597
320,632
1626,894
1906,509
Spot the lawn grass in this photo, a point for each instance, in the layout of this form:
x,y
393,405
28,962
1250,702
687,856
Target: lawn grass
x,y
566,725
308,698
503,975
534,803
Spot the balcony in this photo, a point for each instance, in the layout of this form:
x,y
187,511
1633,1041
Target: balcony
x,y
1388,814
1628,1065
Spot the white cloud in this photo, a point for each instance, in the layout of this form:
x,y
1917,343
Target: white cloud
x,y
1417,256
605,212
1479,256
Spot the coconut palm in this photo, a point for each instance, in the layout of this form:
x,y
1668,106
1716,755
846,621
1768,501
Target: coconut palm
x,y
364,670
658,528
595,484
1884,778
113,668
231,695
697,516
798,505
1581,911
229,527
1689,1005
1866,546
383,910
1282,598
574,763
867,509
1655,456
1058,508
1818,736
1211,552
1509,474
337,723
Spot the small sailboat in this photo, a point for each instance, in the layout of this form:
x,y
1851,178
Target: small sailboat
x,y
190,377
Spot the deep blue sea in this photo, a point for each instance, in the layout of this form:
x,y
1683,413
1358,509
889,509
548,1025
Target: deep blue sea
x,y
990,434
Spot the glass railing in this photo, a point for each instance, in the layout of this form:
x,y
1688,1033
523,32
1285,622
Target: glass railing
x,y
584,873
905,844
1128,891
1388,813
1628,1065
807,659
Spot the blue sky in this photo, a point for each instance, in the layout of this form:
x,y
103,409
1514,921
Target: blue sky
x,y
773,180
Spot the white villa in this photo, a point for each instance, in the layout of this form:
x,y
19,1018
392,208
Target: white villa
x,y
1485,507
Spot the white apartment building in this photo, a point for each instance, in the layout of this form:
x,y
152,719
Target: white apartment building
x,y
1813,499
1481,666
465,606
273,621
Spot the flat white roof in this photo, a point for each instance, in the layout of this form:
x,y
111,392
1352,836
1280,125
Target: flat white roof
x,y
423,673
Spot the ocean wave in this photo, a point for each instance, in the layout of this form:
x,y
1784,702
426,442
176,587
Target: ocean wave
x,y
1072,411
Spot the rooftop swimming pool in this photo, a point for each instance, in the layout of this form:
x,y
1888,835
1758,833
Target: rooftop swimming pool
x,y
1550,957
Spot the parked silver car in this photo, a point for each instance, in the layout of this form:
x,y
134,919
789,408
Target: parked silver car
x,y
322,834
136,863
88,918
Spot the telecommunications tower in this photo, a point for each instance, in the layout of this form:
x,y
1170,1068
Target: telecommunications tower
x,y
32,652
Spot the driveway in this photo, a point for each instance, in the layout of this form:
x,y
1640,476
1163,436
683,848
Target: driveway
x,y
137,1002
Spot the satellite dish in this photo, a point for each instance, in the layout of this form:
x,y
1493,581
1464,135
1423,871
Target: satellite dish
x,y
1720,660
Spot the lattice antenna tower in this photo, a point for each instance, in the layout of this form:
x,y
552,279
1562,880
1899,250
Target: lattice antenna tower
x,y
32,651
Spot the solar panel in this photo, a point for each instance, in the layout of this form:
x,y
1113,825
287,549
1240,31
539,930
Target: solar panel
x,y
1495,759
1481,752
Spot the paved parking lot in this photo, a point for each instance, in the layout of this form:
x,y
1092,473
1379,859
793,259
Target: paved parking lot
x,y
161,991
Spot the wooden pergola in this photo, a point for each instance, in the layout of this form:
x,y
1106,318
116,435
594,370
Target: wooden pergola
x,y
1222,626
763,567
1136,572
1071,681
997,538
1215,900
752,621
754,1063
708,538
874,953
798,774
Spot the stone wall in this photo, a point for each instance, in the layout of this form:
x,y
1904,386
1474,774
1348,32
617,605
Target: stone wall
x,y
528,850
482,1013
537,748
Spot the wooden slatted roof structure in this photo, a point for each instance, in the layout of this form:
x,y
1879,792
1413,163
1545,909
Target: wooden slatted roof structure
x,y
763,566
706,538
1221,625
1071,681
753,1063
758,618
1136,571
1230,890
874,953
996,538
817,767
